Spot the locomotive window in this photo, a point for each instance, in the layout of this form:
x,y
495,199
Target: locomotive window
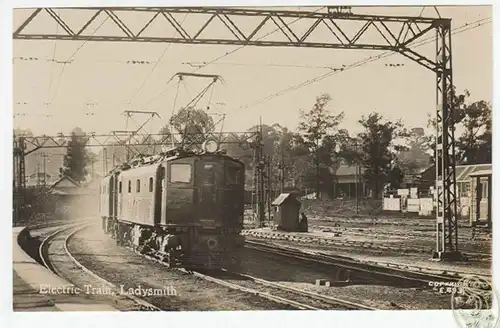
x,y
138,186
180,173
209,174
151,184
129,186
232,175
120,187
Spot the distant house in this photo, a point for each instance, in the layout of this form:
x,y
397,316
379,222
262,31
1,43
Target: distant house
x,y
67,186
40,178
462,172
347,181
74,199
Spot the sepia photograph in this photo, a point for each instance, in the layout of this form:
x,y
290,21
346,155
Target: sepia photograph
x,y
240,158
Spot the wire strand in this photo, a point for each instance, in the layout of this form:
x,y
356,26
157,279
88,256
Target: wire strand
x,y
155,66
265,35
53,60
73,55
362,62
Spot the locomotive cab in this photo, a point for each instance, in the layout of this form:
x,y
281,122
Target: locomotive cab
x,y
185,207
203,195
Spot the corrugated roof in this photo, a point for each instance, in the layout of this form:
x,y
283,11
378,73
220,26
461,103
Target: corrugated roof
x,y
280,199
66,178
462,172
481,173
347,170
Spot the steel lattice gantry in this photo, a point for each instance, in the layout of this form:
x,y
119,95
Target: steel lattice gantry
x,y
397,34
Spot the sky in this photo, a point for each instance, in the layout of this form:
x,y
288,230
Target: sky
x,y
98,85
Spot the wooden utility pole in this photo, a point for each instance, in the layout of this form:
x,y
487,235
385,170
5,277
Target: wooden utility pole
x,y
259,167
260,198
269,186
282,172
357,178
104,161
317,170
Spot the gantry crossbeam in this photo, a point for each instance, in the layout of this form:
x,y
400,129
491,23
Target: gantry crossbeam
x,y
395,33
398,32
132,139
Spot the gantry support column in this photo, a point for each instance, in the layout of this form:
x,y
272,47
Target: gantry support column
x,y
19,180
446,210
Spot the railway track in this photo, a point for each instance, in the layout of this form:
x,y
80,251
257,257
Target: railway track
x,y
304,299
426,234
55,255
277,293
361,270
352,243
296,298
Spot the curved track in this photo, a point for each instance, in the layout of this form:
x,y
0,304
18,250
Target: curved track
x,y
276,292
55,255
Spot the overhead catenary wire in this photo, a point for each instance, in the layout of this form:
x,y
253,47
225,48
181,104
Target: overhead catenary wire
x,y
234,50
108,61
268,65
262,37
462,28
52,63
72,56
155,66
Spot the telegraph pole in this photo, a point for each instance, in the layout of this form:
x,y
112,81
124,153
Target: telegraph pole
x,y
269,186
44,168
105,160
38,182
260,165
357,178
282,172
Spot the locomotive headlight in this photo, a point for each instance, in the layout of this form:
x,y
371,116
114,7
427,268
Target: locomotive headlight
x,y
212,243
210,146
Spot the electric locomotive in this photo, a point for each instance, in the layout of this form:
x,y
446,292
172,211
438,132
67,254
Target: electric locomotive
x,y
183,206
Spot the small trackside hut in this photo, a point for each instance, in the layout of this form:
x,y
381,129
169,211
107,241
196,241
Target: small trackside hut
x,y
286,213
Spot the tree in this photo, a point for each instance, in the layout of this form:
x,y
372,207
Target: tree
x,y
396,176
194,125
474,145
318,128
349,152
415,158
76,158
378,149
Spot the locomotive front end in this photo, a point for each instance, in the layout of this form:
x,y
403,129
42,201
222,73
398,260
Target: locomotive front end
x,y
220,208
205,194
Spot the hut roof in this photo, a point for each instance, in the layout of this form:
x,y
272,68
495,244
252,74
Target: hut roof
x,y
282,198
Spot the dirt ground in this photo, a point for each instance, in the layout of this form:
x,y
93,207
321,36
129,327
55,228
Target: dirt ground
x,y
121,266
372,235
